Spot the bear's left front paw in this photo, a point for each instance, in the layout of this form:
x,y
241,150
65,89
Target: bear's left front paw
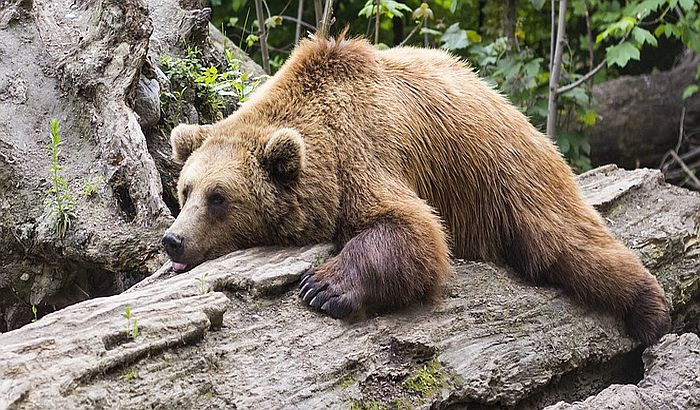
x,y
323,291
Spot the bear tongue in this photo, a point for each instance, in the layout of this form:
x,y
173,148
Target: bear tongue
x,y
179,266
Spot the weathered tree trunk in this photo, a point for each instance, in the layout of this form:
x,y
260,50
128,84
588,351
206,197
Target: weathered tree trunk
x,y
93,66
640,117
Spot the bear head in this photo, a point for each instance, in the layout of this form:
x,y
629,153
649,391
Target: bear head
x,y
231,190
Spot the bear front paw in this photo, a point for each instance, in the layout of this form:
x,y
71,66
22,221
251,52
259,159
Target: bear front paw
x,y
326,293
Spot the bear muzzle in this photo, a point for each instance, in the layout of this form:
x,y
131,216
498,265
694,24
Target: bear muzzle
x,y
175,246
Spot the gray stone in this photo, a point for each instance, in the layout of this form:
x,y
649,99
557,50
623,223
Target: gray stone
x,y
147,102
493,339
671,380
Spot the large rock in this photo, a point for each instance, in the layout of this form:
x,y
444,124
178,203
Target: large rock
x,y
83,62
671,380
233,332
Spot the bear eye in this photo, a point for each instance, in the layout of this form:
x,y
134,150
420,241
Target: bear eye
x,y
216,199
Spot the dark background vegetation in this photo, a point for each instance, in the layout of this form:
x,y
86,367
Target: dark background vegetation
x,y
509,43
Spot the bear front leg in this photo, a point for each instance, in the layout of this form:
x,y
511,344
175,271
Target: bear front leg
x,y
400,258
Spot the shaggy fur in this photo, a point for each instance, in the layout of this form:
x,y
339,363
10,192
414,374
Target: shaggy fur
x,y
366,148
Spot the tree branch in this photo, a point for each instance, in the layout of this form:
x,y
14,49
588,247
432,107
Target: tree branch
x,y
687,170
300,13
552,36
376,22
581,80
408,37
556,72
263,36
302,23
318,9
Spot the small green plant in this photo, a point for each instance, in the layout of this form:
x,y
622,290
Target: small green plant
x,y
130,375
427,380
132,327
368,405
59,203
216,92
91,187
34,312
346,382
320,259
202,281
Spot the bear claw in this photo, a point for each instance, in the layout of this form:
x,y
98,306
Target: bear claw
x,y
317,294
338,306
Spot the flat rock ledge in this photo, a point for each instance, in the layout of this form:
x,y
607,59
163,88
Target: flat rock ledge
x,y
232,333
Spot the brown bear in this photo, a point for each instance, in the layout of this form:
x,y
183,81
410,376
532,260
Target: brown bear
x,y
398,157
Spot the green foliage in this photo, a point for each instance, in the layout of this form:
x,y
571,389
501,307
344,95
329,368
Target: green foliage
x,y
91,187
130,375
347,381
368,405
388,8
59,203
34,312
216,92
132,326
427,380
202,283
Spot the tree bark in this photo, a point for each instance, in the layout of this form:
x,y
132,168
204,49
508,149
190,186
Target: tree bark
x,y
509,26
556,71
104,88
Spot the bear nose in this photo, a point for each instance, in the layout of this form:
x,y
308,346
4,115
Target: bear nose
x,y
173,244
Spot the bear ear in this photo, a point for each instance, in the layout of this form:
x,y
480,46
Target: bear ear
x,y
283,156
186,138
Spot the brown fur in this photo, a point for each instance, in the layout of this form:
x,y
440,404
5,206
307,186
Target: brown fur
x,y
376,144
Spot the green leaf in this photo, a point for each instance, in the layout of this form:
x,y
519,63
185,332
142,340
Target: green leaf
x,y
453,5
578,94
454,38
473,37
273,21
564,145
388,8
660,29
589,119
686,5
621,54
251,39
585,147
423,12
368,10
642,36
537,4
430,31
690,91
646,7
672,30
692,40
393,8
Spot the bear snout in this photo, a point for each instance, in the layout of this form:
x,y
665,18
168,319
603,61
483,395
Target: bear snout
x,y
174,245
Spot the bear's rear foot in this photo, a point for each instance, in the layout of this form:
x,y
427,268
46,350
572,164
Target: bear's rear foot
x,y
648,318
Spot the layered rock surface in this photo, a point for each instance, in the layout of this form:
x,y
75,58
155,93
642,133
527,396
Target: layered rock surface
x,y
233,333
